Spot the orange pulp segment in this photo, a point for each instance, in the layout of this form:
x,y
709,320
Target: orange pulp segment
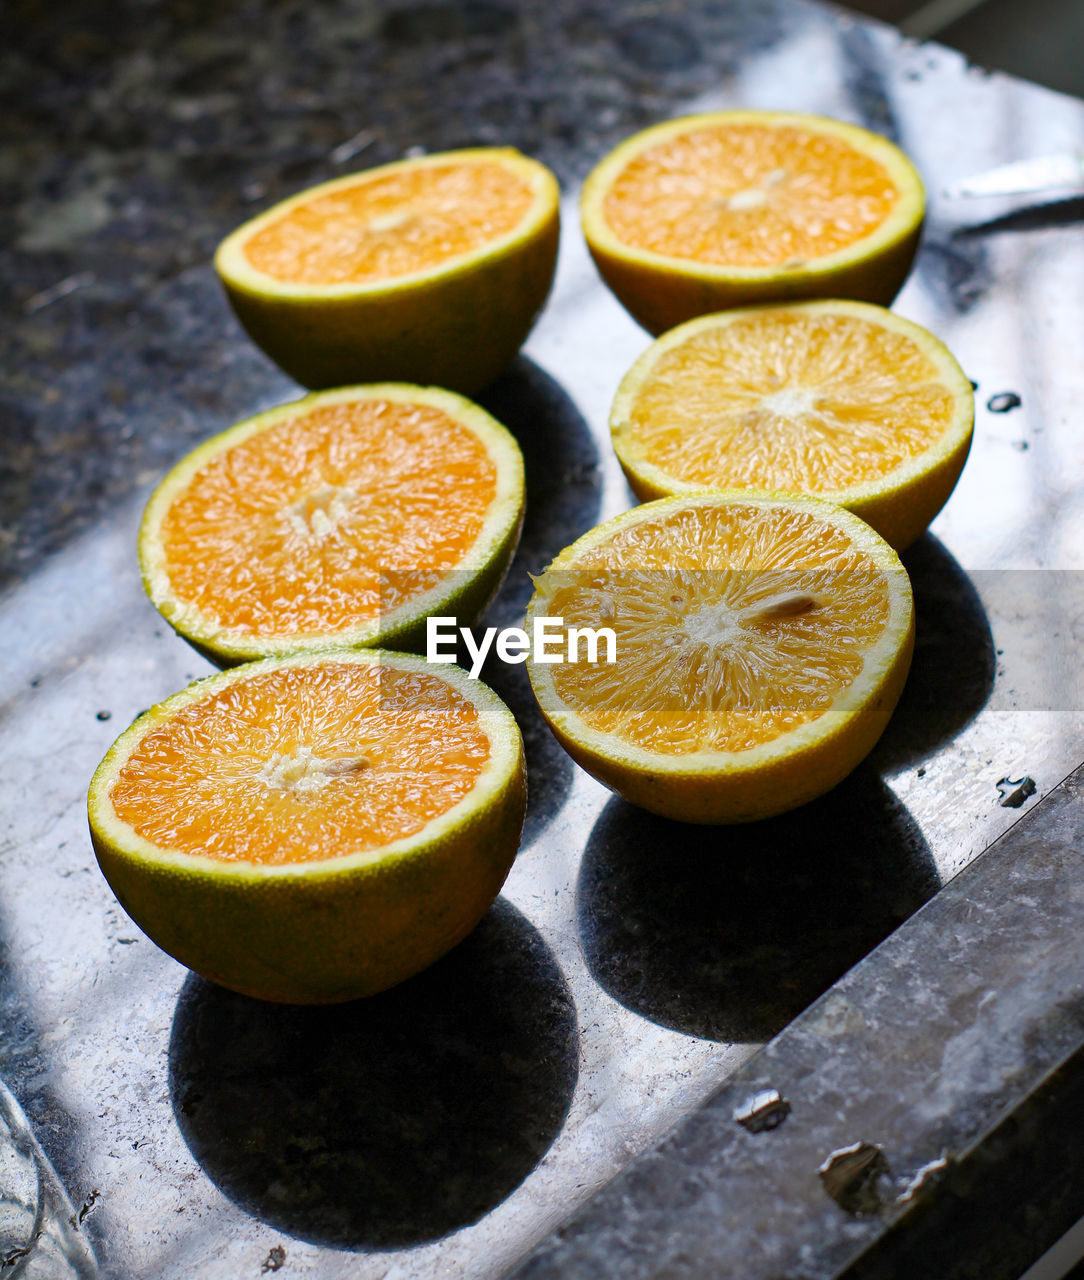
x,y
393,223
302,763
736,622
746,194
808,400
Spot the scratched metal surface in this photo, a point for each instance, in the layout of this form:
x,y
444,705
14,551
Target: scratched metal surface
x,y
632,965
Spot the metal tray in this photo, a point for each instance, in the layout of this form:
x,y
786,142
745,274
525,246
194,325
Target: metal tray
x,y
631,965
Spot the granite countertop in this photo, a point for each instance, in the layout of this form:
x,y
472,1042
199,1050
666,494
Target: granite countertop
x,y
135,136
912,959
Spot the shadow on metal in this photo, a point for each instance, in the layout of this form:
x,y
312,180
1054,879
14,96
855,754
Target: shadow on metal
x,y
564,483
564,491
390,1121
956,272
953,670
39,1234
549,768
730,932
1036,217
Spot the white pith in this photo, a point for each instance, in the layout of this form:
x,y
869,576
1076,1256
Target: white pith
x,y
388,222
717,626
791,402
302,771
317,514
750,198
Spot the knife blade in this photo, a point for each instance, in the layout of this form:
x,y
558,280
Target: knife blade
x,y
1041,174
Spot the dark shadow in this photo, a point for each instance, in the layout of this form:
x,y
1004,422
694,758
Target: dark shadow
x,y
1036,217
730,932
564,483
390,1121
956,272
36,1194
439,24
564,492
953,670
867,73
549,768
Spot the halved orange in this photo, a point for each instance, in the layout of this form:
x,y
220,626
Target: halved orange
x,y
312,829
838,399
733,208
430,270
344,518
761,646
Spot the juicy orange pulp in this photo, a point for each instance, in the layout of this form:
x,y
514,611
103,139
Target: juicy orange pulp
x,y
382,227
734,624
789,400
749,195
301,764
325,520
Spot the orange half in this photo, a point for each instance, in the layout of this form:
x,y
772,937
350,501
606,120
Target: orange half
x,y
429,270
347,517
760,644
315,828
837,399
740,207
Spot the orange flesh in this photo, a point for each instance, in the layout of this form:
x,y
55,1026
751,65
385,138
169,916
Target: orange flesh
x,y
749,195
412,220
699,667
303,763
786,400
323,522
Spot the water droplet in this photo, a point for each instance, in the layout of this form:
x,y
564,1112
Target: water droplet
x,y
105,715
1021,446
765,1110
1014,791
1004,402
850,1176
